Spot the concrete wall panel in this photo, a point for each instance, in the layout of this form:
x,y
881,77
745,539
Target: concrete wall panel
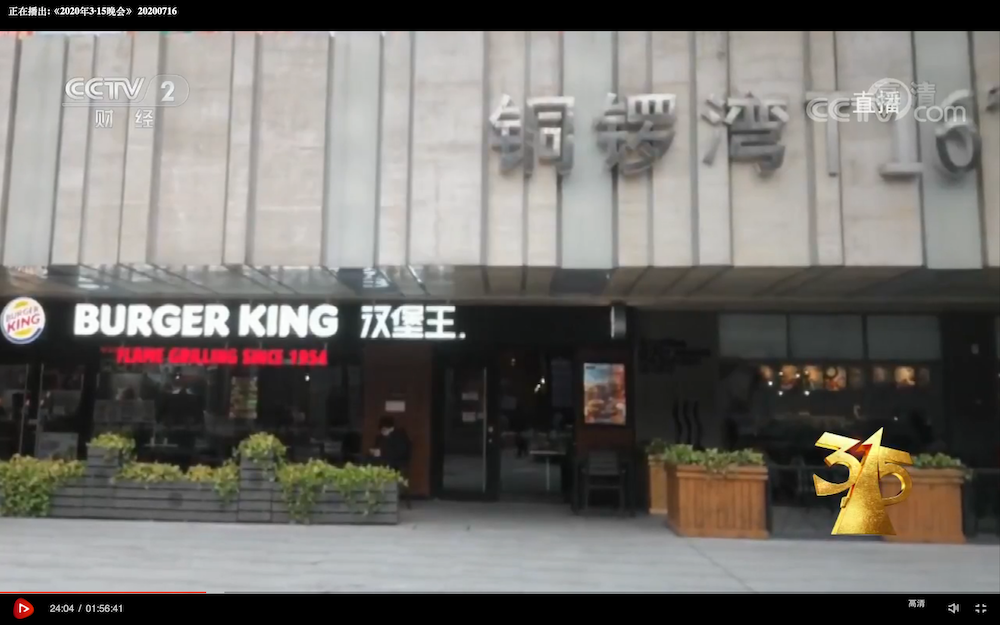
x,y
241,138
882,224
286,204
674,185
828,226
713,213
191,195
102,210
952,235
446,216
372,149
507,66
353,150
9,64
394,191
71,185
634,192
769,64
541,199
986,64
35,152
142,149
587,226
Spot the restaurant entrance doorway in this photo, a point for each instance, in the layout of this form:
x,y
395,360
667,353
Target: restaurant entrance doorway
x,y
468,432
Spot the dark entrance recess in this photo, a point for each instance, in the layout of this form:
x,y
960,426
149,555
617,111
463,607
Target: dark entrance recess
x,y
508,402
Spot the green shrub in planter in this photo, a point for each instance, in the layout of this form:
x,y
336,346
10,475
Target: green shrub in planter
x,y
362,487
713,460
263,449
112,445
940,461
27,484
225,479
655,448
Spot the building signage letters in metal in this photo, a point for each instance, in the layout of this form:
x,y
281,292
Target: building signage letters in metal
x,y
636,131
544,132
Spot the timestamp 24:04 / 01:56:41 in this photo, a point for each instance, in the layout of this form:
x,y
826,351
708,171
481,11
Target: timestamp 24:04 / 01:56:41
x,y
86,608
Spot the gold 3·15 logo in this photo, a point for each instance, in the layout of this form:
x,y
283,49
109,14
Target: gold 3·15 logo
x,y
862,510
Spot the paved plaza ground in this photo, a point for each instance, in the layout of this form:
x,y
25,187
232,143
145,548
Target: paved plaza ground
x,y
467,547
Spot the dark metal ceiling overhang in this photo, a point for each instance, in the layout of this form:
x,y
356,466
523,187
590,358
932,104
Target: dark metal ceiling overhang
x,y
695,287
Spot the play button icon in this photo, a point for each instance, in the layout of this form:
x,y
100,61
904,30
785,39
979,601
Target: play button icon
x,y
23,609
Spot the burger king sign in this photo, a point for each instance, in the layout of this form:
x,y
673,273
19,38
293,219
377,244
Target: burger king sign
x,y
23,320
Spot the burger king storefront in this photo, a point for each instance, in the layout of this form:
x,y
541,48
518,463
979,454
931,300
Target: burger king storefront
x,y
495,400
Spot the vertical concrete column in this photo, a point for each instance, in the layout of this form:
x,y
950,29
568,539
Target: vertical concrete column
x,y
674,178
710,76
634,193
142,165
74,149
882,225
587,225
243,85
35,152
395,156
986,60
286,207
770,213
541,205
9,61
505,204
353,145
953,237
102,210
446,217
825,202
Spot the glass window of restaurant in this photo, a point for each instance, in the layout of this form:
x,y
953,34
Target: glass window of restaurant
x,y
13,400
189,415
786,379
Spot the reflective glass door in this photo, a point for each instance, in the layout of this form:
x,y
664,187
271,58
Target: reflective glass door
x,y
467,435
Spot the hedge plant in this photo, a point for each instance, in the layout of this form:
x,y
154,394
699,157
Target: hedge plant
x,y
263,449
712,460
112,445
27,484
362,487
941,461
656,448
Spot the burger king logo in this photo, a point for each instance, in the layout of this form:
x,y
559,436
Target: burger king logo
x,y
23,320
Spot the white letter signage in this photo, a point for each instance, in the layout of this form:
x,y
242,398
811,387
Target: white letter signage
x,y
204,321
409,322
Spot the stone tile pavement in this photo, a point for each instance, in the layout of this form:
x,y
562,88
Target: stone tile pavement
x,y
467,547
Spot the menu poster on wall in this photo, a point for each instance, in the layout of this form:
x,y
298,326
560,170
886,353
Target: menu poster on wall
x,y
604,393
243,397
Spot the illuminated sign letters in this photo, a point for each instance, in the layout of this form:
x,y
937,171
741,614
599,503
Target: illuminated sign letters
x,y
205,320
409,321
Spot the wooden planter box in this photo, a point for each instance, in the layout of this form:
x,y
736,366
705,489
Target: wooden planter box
x,y
933,511
657,487
717,505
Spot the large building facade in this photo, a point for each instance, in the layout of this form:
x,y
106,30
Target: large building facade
x,y
791,204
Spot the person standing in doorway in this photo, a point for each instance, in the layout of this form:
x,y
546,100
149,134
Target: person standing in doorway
x,y
392,446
